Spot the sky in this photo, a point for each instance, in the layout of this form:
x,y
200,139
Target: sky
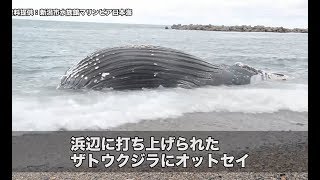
x,y
286,13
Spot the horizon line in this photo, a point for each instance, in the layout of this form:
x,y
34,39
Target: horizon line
x,y
55,20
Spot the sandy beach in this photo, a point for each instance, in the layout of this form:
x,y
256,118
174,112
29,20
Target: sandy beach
x,y
285,158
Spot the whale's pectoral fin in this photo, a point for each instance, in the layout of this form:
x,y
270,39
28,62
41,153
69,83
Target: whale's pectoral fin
x,y
277,76
264,75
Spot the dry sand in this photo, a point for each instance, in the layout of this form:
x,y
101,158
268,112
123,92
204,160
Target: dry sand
x,y
157,175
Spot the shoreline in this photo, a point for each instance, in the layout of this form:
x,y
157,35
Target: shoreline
x,y
223,121
242,28
211,121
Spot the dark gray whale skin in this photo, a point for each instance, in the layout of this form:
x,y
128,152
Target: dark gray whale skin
x,y
137,67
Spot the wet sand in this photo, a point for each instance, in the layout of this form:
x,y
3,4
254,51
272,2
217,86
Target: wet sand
x,y
224,121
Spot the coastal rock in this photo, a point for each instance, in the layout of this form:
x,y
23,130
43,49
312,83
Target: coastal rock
x,y
242,28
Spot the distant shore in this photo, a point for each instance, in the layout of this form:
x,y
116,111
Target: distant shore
x,y
243,28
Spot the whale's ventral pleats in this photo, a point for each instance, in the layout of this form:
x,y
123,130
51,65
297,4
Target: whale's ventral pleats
x,y
137,67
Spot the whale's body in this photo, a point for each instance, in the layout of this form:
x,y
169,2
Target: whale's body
x,y
137,67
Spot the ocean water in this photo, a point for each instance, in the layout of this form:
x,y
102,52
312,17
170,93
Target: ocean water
x,y
43,50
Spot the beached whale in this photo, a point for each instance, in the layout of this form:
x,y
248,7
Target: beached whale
x,y
137,67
